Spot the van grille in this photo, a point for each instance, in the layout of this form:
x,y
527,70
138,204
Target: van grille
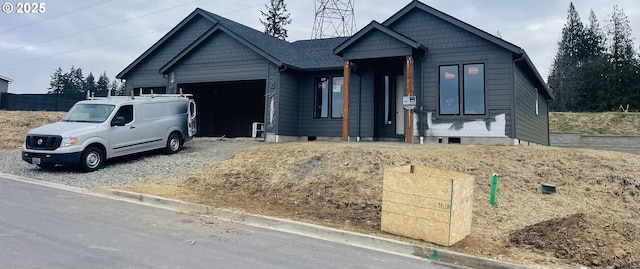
x,y
43,142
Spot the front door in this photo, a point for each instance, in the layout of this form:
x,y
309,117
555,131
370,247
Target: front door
x,y
389,117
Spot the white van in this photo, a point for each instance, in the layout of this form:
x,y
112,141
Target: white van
x,y
101,128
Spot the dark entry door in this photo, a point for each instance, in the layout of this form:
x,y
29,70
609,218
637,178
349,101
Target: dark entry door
x,y
389,89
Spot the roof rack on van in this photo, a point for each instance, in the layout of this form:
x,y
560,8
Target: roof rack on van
x,y
91,95
152,95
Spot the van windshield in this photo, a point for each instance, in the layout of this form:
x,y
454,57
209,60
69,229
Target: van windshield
x,y
88,113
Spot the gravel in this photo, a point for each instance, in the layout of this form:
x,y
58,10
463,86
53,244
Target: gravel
x,y
194,155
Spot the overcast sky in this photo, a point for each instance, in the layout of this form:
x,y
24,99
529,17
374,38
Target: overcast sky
x,y
107,35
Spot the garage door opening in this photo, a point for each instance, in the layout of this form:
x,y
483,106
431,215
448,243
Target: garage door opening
x,y
227,108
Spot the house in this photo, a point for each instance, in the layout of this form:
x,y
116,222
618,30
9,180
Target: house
x,y
459,83
4,84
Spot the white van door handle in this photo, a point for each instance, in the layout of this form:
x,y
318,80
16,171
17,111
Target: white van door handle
x,y
132,127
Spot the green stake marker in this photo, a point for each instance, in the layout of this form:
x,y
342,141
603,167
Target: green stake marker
x,y
434,255
494,190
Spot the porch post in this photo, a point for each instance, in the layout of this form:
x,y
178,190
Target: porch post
x,y
345,101
409,91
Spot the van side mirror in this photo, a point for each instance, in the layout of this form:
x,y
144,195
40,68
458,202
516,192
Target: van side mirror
x,y
118,121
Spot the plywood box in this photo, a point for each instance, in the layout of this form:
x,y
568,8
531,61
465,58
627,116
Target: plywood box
x,y
429,204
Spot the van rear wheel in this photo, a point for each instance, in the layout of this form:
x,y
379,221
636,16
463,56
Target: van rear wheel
x,y
91,159
174,143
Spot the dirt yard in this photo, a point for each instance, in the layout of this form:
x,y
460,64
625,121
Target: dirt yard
x,y
593,220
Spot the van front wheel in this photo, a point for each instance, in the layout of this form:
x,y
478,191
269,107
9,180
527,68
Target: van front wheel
x,y
91,159
174,143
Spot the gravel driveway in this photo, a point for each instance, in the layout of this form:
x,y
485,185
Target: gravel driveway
x,y
195,154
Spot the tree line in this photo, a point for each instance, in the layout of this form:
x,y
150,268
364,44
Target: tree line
x,y
74,81
595,68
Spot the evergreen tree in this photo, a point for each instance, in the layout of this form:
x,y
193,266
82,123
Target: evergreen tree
x,y
90,83
564,78
67,79
102,85
622,77
275,19
594,65
56,85
76,81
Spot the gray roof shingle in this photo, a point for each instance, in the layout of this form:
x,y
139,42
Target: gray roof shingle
x,y
303,54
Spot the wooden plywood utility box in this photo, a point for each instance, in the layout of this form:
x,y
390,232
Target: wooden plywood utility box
x,y
429,204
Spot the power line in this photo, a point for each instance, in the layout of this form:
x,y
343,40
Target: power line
x,y
96,28
110,42
84,48
55,16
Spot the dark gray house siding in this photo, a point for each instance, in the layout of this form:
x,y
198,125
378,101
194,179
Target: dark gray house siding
x,y
310,126
498,82
289,104
433,32
220,58
217,59
448,44
377,45
147,74
4,84
530,126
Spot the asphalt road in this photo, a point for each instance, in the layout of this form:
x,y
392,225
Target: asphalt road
x,y
44,227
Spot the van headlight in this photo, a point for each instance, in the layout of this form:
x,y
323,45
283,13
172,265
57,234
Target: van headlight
x,y
69,141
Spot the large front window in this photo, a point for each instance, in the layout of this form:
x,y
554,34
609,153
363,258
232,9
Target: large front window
x,y
474,89
329,97
449,90
464,91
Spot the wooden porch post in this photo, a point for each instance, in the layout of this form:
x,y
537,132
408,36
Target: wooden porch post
x,y
409,91
345,101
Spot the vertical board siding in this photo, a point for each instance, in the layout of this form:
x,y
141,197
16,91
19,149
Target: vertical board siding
x,y
141,75
529,126
366,112
289,112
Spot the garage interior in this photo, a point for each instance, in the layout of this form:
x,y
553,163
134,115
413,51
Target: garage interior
x,y
227,108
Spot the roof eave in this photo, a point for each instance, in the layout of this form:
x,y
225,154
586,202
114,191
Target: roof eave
x,y
255,48
174,30
6,79
452,20
374,25
537,75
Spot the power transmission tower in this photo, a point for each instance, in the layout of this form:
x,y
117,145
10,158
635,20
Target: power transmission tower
x,y
333,18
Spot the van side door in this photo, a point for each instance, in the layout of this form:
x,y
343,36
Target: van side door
x,y
122,135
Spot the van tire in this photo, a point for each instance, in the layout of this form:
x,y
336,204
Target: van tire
x,y
174,143
91,159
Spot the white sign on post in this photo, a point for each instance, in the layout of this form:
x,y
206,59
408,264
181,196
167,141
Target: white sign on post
x,y
409,102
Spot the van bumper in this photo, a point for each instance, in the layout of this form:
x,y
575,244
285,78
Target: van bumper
x,y
51,158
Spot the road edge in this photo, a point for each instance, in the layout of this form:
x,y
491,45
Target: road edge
x,y
377,243
435,255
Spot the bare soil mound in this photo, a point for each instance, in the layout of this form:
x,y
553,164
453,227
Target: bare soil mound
x,y
586,239
340,185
